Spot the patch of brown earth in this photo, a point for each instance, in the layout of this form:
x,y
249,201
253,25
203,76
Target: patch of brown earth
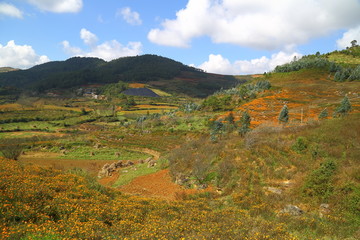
x,y
52,160
109,181
157,185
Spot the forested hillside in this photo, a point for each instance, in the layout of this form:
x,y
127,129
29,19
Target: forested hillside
x,y
151,69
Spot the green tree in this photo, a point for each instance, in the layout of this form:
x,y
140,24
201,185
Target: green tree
x,y
324,114
230,118
11,148
344,108
216,130
284,115
245,123
353,43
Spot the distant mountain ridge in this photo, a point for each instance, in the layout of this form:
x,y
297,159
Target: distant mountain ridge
x,y
164,73
7,69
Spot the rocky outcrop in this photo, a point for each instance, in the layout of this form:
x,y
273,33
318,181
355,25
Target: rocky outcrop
x,y
108,169
324,209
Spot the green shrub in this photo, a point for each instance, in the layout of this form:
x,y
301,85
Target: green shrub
x,y
318,183
245,124
284,114
344,108
324,114
12,148
300,145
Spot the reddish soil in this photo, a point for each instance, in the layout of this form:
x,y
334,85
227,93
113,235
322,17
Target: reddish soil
x,y
158,185
108,181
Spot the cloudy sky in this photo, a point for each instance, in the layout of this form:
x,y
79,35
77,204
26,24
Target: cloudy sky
x,y
219,36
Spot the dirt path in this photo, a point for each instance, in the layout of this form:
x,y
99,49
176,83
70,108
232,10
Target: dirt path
x,y
155,154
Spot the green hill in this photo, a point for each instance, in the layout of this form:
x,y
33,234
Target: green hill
x,y
161,72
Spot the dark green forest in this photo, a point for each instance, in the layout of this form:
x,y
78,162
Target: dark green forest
x,y
79,71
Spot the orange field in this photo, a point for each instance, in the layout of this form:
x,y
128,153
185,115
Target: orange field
x,y
136,85
305,96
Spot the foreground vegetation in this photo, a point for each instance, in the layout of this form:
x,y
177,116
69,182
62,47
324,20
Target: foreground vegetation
x,y
310,166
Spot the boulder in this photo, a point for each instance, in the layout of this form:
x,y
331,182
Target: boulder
x,y
274,190
119,164
104,171
151,163
181,179
107,170
292,210
324,209
129,163
148,159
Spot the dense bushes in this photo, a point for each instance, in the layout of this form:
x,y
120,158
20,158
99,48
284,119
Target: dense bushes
x,y
215,103
222,100
11,148
341,73
310,61
319,184
347,74
246,90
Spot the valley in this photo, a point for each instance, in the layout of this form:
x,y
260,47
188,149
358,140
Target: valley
x,y
206,157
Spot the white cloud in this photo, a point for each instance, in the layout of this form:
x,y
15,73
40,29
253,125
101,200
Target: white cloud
x,y
73,51
258,24
19,56
352,34
88,37
219,64
108,50
10,10
129,16
58,6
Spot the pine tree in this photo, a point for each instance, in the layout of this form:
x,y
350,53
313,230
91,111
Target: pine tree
x,y
216,130
245,123
324,114
284,114
344,108
230,118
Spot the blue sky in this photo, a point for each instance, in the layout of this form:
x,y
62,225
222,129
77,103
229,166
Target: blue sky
x,y
219,36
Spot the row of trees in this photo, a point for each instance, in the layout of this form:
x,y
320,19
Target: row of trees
x,y
347,74
311,61
219,127
222,100
343,109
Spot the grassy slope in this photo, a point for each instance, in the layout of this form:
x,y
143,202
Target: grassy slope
x,y
306,93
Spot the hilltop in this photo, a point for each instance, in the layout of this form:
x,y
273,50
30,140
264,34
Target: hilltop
x,y
160,72
7,69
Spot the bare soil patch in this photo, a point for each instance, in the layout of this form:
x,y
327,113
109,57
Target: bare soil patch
x,y
157,185
48,159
